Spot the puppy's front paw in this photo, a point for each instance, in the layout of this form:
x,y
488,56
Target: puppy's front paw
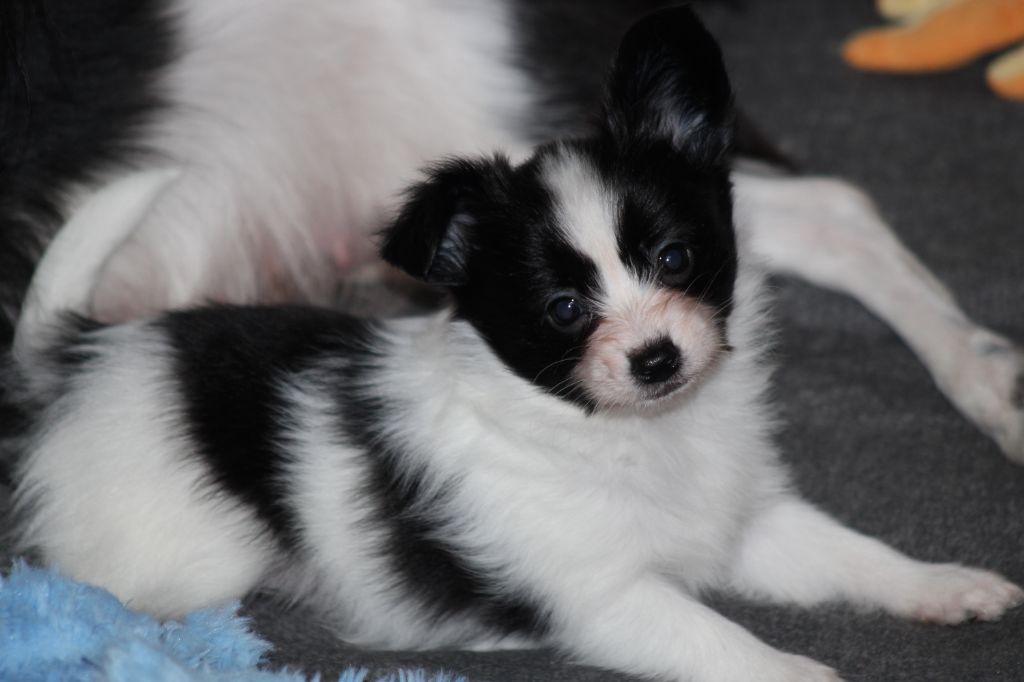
x,y
951,594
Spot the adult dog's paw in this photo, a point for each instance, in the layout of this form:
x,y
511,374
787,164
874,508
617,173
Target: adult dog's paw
x,y
949,594
988,387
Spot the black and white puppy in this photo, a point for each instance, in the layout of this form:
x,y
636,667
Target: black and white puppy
x,y
568,454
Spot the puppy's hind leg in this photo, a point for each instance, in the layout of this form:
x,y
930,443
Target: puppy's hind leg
x,y
113,494
830,233
795,553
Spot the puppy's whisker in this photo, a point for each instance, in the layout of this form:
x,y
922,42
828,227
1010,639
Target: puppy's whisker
x,y
552,365
721,310
569,382
711,280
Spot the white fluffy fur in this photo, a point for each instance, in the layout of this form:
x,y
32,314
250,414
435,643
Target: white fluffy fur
x,y
284,118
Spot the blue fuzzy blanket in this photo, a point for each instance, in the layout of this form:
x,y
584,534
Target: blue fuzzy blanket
x,y
53,629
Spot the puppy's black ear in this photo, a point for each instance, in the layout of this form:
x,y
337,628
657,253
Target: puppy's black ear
x,y
668,82
432,237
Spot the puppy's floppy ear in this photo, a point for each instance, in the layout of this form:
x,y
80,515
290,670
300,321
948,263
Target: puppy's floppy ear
x,y
668,82
432,237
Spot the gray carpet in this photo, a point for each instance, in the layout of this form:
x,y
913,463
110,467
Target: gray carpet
x,y
869,437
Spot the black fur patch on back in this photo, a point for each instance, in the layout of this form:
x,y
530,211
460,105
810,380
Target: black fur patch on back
x,y
427,567
229,362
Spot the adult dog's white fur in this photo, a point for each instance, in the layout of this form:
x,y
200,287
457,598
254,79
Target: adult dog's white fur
x,y
297,128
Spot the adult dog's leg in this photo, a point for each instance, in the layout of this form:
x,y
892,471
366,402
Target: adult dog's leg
x,y
830,233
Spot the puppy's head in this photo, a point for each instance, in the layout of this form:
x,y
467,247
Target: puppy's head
x,y
601,269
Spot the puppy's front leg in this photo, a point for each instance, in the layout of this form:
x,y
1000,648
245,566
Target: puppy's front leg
x,y
652,629
795,553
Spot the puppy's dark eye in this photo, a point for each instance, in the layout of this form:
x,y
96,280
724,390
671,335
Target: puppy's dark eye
x,y
675,261
565,311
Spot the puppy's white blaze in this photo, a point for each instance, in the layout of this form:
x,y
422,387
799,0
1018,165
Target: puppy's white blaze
x,y
588,215
118,500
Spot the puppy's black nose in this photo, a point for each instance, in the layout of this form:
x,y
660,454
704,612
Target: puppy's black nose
x,y
656,362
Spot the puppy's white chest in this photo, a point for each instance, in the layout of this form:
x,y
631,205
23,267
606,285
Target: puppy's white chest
x,y
619,500
683,505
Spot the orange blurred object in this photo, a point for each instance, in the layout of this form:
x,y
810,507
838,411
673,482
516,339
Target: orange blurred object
x,y
1006,75
946,37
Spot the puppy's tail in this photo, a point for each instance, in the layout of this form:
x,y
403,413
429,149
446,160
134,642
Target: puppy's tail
x,y
65,277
